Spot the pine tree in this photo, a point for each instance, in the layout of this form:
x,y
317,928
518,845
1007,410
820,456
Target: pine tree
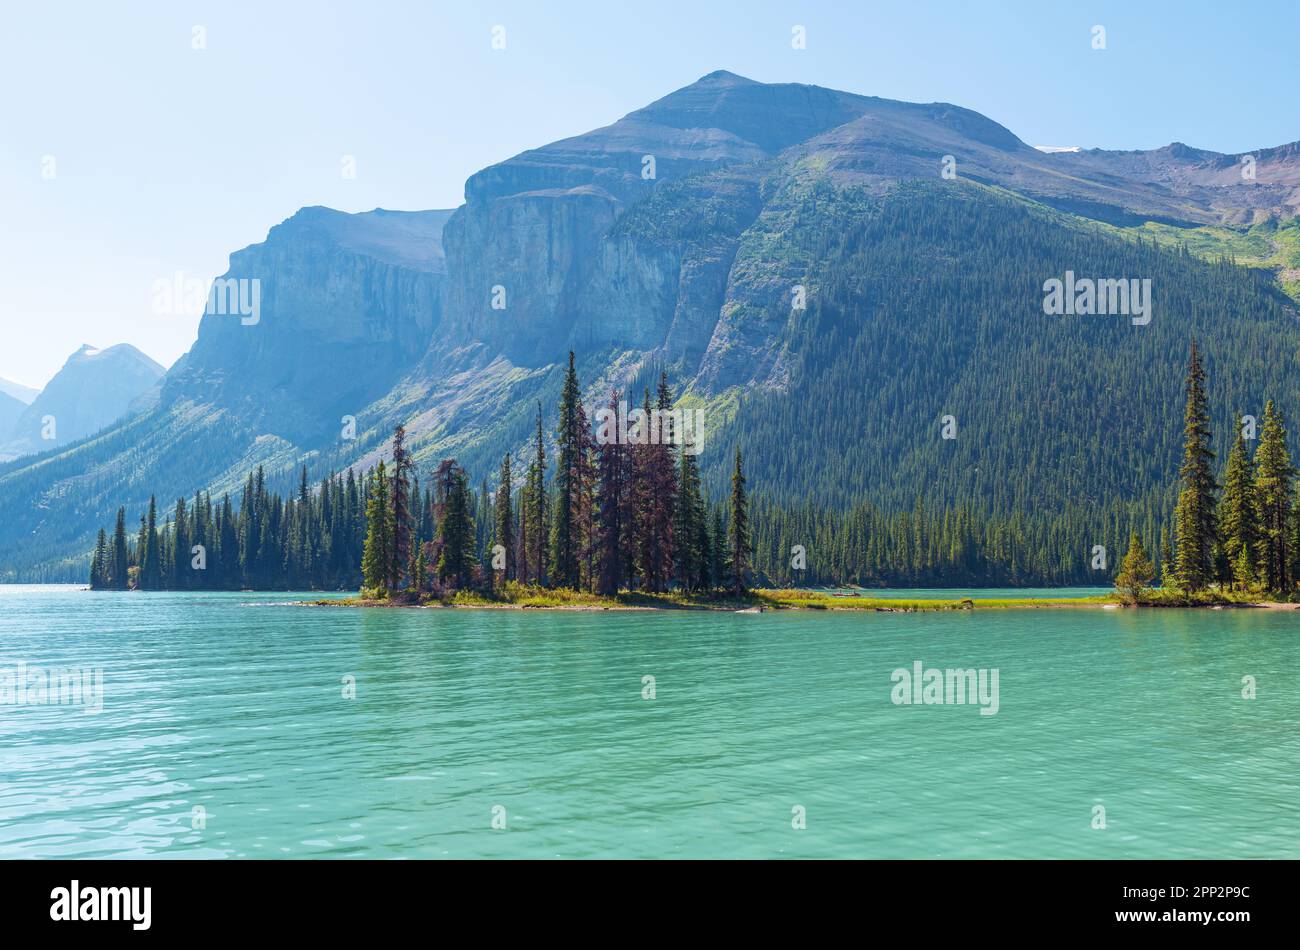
x,y
1274,477
151,573
536,508
584,502
739,533
1194,517
1136,572
564,531
178,569
120,570
656,492
689,532
612,502
504,529
456,528
375,569
399,491
99,563
1237,515
1168,576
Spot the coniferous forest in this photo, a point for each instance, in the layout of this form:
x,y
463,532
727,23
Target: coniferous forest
x,y
614,515
606,515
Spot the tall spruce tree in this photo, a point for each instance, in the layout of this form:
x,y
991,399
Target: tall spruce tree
x,y
1274,494
99,563
178,568
376,572
565,563
1195,522
612,501
456,528
739,530
151,568
120,561
584,512
400,493
690,531
504,533
536,504
1237,515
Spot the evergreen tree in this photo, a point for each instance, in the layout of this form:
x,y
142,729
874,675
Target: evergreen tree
x,y
612,501
564,531
1194,517
1274,478
99,563
1136,572
455,529
120,570
399,492
178,568
151,572
656,492
375,569
690,531
740,550
1237,515
536,509
504,529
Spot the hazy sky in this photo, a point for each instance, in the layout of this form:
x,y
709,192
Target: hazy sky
x,y
166,157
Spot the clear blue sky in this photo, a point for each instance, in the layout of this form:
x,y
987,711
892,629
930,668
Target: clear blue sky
x,y
168,158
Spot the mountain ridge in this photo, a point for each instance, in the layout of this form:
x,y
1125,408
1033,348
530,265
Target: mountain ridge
x,y
94,388
388,317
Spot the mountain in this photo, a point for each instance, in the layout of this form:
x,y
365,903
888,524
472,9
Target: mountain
x,y
10,411
24,394
94,388
348,304
676,240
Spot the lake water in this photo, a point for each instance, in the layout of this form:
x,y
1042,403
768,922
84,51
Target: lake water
x,y
225,732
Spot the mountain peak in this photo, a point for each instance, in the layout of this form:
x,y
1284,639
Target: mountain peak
x,y
122,353
724,75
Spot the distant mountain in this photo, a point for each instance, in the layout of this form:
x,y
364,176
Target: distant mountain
x,y
94,388
674,240
24,394
10,411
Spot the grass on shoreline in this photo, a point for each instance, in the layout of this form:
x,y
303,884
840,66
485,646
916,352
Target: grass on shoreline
x,y
519,596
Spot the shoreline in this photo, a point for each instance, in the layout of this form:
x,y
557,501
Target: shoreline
x,y
764,601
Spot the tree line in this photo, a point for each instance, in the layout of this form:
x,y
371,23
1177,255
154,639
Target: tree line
x,y
624,510
607,514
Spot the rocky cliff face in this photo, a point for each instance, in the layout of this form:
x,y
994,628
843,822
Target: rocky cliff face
x,y
346,305
536,229
95,388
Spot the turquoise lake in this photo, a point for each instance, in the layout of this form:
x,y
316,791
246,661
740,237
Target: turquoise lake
x,y
225,732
